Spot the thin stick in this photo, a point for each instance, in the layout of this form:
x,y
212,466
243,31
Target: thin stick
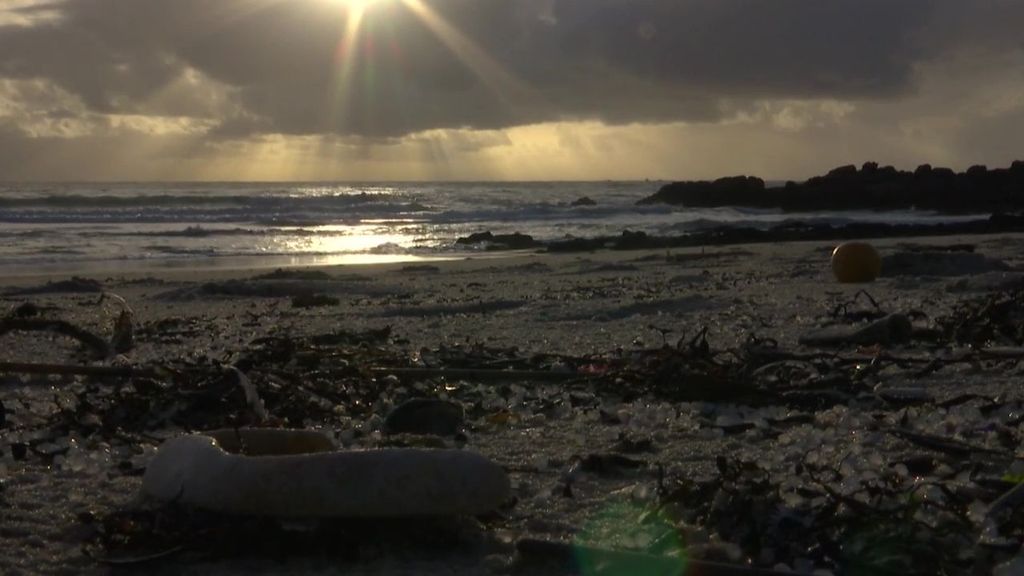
x,y
75,370
1011,499
477,374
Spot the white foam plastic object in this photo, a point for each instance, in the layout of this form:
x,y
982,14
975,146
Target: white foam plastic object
x,y
299,473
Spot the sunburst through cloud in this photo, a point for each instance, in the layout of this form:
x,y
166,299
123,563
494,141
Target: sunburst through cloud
x,y
600,287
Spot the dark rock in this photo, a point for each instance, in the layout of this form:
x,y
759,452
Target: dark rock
x,y
848,171
583,201
871,188
314,300
703,193
425,416
633,241
515,241
26,310
476,238
609,464
19,450
790,232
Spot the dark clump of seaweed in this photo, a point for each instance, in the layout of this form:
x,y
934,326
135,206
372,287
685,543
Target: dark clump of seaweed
x,y
993,320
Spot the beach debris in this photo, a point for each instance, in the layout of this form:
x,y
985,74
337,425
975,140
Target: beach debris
x,y
845,477
992,320
252,396
856,262
313,301
197,471
19,451
891,329
429,416
852,311
123,338
481,374
75,370
26,310
98,345
939,263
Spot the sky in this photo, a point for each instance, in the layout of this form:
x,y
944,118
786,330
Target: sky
x,y
504,89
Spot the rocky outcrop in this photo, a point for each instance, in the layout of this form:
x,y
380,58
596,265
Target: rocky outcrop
x,y
787,232
492,241
704,193
977,190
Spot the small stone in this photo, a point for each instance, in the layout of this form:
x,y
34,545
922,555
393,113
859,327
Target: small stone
x,y
19,450
314,301
26,310
425,416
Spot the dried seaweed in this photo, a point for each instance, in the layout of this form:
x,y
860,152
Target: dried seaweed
x,y
817,514
994,320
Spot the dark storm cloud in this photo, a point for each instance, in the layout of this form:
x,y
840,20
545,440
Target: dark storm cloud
x,y
611,60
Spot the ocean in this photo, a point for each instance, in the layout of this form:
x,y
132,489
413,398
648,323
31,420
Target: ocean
x,y
79,228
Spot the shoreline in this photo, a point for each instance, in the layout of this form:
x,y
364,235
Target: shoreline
x,y
520,244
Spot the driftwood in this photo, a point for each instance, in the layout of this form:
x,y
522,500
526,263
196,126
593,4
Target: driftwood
x,y
948,445
100,346
892,329
1010,500
76,370
482,375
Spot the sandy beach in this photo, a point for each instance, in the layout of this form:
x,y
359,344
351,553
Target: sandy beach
x,y
588,456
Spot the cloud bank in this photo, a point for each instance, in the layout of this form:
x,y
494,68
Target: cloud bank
x,y
234,70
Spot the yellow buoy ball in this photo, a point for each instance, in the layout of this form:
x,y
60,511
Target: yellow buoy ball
x,y
856,262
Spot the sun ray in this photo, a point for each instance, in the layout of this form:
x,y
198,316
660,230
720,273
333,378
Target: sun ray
x,y
510,90
347,52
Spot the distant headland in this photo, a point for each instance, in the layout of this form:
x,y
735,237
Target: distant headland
x,y
977,190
